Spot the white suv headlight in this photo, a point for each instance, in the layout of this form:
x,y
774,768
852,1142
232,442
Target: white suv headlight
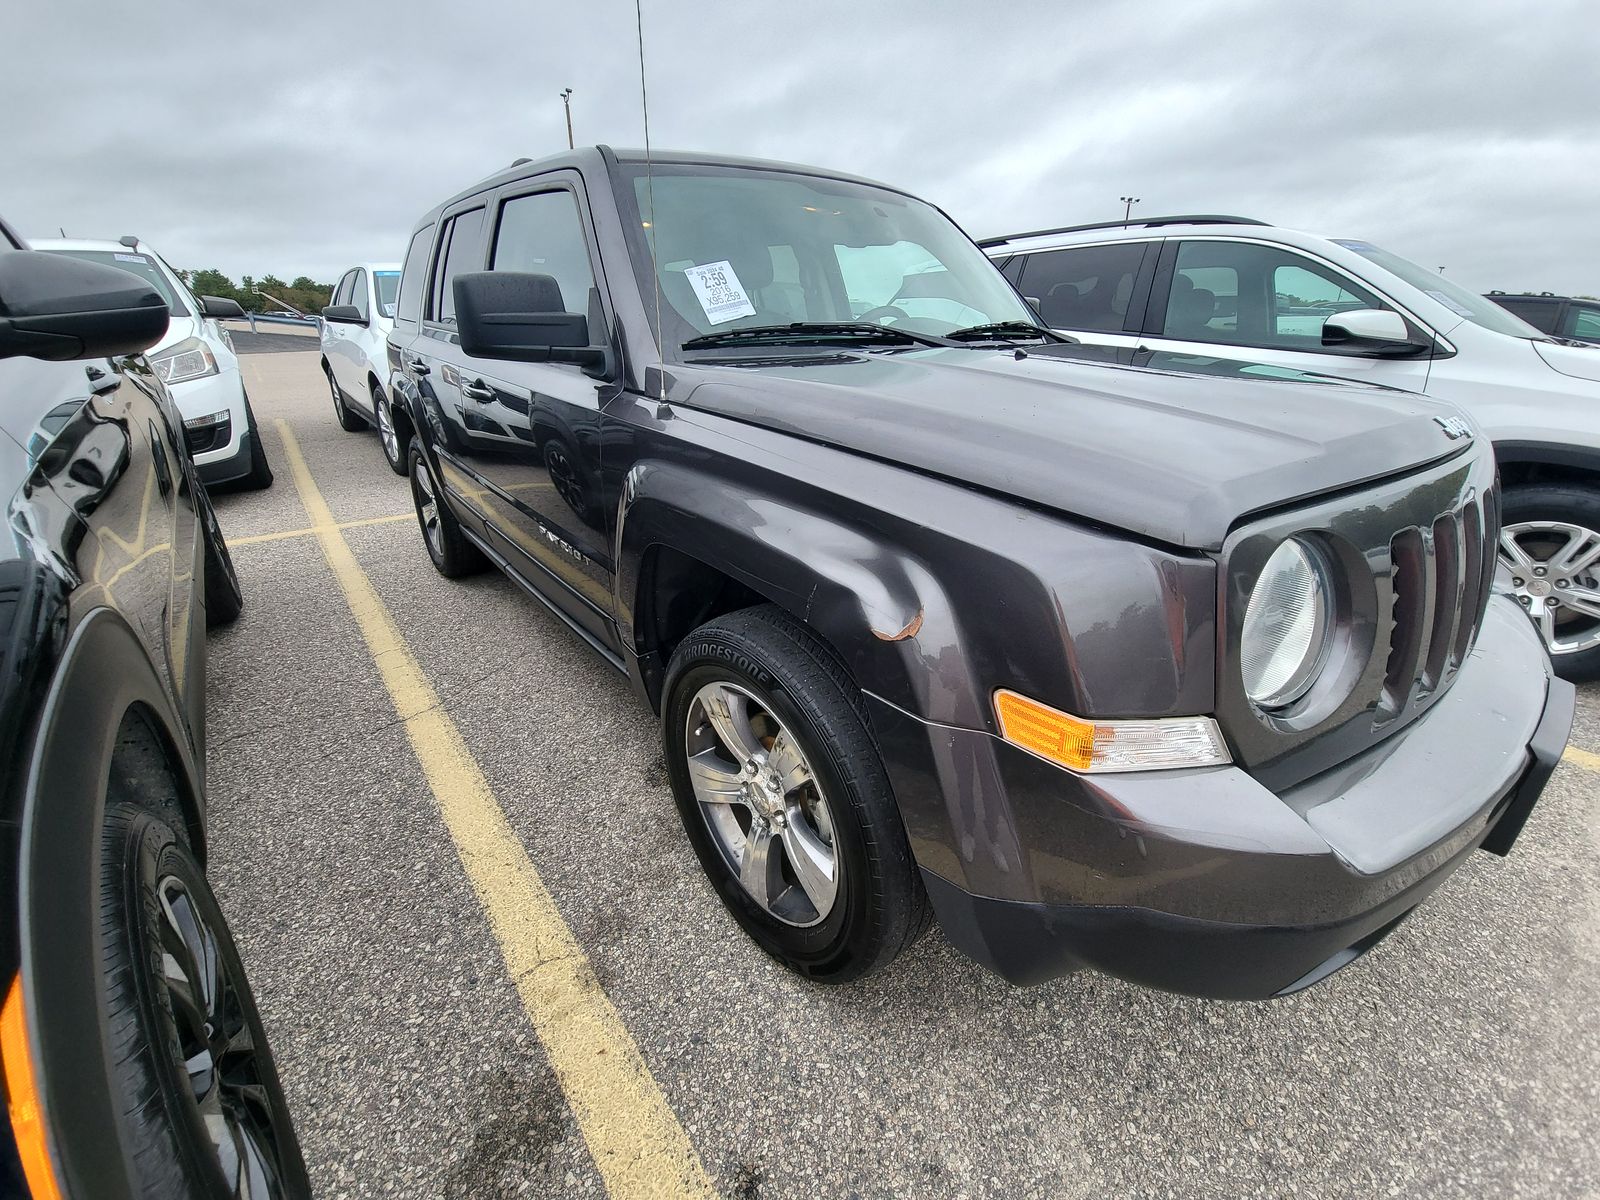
x,y
189,359
1286,626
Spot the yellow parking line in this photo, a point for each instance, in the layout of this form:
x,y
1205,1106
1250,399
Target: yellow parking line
x,y
632,1133
1582,758
310,529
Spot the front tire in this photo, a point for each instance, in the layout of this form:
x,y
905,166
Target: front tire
x,y
452,554
223,595
1550,542
189,1056
260,474
785,798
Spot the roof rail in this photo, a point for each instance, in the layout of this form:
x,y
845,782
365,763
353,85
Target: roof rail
x,y
1140,222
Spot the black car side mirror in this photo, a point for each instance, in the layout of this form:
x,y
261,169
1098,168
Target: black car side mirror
x,y
54,307
220,307
517,316
343,314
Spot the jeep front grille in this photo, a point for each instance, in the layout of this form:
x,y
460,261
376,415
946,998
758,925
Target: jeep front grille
x,y
1439,576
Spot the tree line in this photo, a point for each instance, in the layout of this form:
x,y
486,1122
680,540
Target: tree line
x,y
304,293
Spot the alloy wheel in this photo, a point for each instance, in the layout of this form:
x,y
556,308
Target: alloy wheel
x,y
338,400
391,443
216,1050
427,506
1555,575
763,804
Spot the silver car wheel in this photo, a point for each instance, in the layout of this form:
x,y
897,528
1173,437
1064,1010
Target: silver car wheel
x,y
762,802
427,507
1555,575
391,443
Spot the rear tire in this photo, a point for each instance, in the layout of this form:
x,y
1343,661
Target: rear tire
x,y
223,595
260,475
452,554
808,722
1554,525
189,1056
348,421
391,436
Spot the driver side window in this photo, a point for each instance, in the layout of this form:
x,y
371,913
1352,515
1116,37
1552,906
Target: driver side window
x,y
1246,294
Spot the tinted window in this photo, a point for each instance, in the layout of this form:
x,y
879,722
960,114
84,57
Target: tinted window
x,y
1084,288
463,252
1583,321
358,292
1239,293
1536,313
411,275
542,234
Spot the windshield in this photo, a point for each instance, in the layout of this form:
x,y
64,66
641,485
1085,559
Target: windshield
x,y
142,265
747,248
1480,310
388,284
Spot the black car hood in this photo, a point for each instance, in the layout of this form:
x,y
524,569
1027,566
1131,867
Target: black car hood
x,y
1175,455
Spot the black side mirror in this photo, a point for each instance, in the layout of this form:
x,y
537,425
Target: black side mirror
x,y
344,314
518,316
220,308
57,308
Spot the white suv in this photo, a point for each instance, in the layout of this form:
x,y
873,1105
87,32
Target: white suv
x,y
355,354
195,359
1233,288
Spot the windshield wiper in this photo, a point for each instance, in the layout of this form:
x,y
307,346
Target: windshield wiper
x,y
802,332
1000,331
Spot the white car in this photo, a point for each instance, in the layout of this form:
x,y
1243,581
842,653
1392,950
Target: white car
x,y
355,355
1232,288
195,359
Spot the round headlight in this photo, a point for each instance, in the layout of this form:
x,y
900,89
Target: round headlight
x,y
1286,626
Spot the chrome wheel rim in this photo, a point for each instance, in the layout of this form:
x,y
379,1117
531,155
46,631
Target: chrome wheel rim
x,y
1555,575
216,1048
427,506
391,444
762,803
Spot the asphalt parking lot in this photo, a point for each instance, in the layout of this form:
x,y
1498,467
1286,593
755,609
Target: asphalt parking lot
x,y
1461,1058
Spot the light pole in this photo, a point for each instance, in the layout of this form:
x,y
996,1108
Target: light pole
x,y
1127,208
566,102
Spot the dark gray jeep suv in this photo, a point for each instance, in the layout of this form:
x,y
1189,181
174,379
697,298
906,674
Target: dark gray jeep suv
x,y
1194,678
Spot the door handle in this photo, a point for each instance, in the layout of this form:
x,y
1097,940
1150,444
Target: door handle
x,y
477,390
416,366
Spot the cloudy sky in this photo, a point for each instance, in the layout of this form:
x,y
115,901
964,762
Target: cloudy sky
x,y
295,136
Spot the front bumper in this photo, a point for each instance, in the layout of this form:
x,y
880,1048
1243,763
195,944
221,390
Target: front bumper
x,y
223,392
1205,882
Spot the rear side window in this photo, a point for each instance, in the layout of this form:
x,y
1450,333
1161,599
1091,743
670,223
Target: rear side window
x,y
409,306
542,234
463,251
1084,288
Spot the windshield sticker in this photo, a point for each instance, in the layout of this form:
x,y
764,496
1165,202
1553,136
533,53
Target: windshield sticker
x,y
387,310
138,258
1455,306
718,290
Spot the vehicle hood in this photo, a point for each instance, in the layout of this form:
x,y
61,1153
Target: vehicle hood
x,y
1580,362
1170,455
178,328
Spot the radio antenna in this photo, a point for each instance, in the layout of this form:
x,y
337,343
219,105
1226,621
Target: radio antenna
x,y
650,191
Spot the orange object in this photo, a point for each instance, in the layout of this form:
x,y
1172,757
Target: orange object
x,y
22,1098
1047,732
